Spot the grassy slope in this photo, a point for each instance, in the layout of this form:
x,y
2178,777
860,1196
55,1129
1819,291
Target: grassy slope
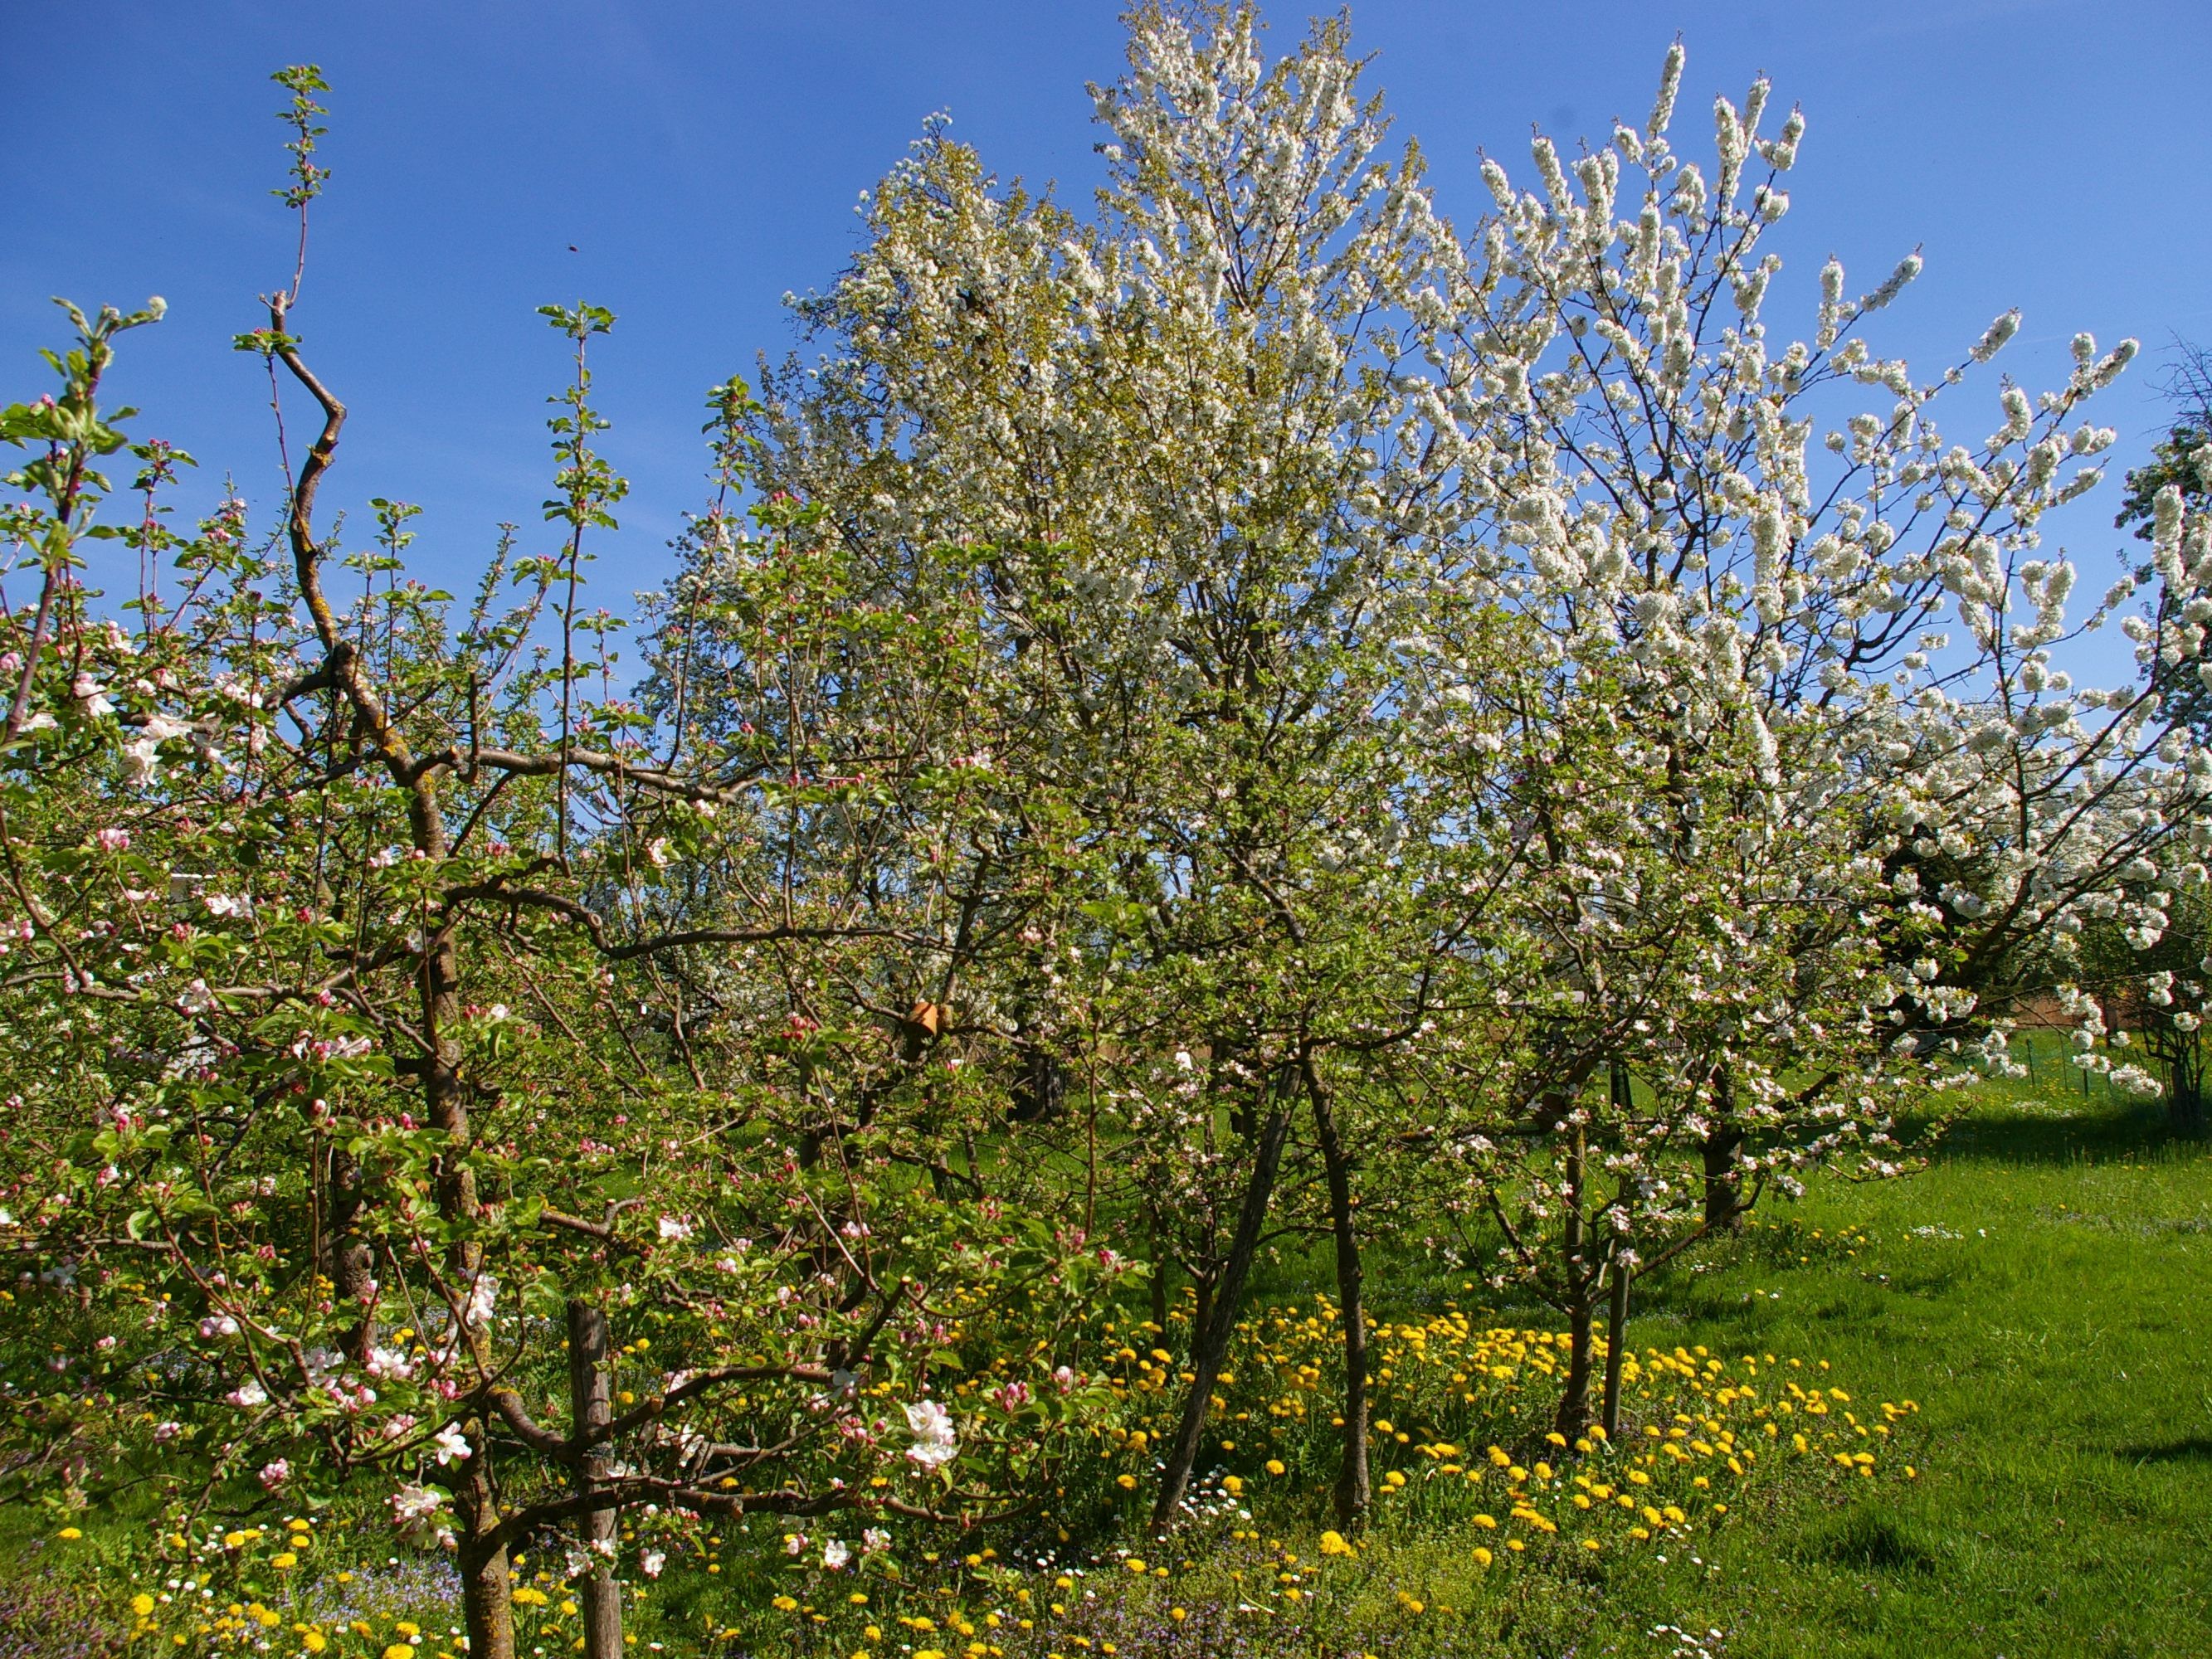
x,y
2057,1347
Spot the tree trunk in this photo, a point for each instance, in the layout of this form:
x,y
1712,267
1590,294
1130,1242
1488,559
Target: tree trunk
x,y
589,1409
349,1256
487,1598
1160,1281
1224,1056
1616,1347
489,1612
1353,1489
1210,1345
1723,1180
1574,1414
1619,1274
2185,1087
1040,1086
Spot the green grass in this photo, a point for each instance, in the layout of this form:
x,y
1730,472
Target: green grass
x,y
2057,1346
2040,1291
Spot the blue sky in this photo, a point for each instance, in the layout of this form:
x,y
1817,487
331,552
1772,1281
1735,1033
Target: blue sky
x,y
704,160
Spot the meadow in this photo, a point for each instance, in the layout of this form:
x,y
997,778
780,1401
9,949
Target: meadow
x,y
2019,1327
2037,1292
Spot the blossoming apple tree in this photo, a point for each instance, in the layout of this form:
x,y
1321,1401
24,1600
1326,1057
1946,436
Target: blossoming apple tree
x,y
406,1097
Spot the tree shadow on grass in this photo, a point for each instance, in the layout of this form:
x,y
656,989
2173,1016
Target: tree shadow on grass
x,y
1870,1537
2104,1134
2194,1449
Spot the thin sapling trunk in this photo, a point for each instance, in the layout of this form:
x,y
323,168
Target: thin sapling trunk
x,y
1353,1489
589,1412
1209,1343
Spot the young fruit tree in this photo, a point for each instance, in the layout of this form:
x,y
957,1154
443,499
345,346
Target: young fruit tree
x,y
413,1092
1178,441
